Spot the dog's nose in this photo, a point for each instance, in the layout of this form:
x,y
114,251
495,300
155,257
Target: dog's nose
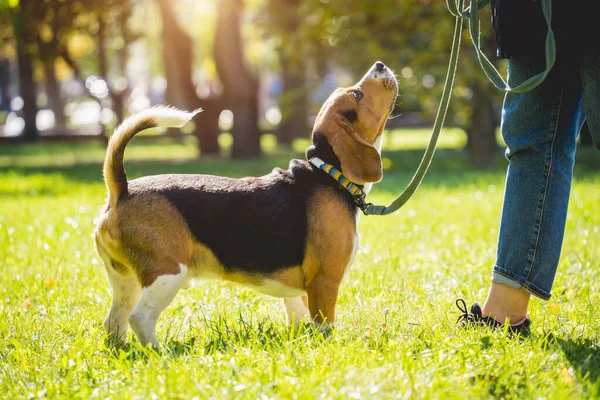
x,y
379,66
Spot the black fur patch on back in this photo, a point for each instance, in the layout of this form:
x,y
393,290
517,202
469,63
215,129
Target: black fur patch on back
x,y
255,225
350,115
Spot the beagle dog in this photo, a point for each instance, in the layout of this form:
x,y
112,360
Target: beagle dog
x,y
290,234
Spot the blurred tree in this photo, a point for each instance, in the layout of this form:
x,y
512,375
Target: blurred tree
x,y
4,84
6,53
25,33
105,22
240,87
284,24
481,127
43,31
118,12
181,90
53,22
82,34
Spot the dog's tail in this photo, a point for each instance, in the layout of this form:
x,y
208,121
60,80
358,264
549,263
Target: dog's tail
x,y
114,171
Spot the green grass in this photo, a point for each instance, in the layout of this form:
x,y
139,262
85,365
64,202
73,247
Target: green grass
x,y
395,337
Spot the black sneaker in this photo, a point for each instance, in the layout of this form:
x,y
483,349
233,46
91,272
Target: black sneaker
x,y
475,317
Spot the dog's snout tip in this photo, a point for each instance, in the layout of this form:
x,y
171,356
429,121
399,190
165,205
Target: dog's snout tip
x,y
379,66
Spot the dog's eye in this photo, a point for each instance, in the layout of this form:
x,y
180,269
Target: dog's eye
x,y
357,94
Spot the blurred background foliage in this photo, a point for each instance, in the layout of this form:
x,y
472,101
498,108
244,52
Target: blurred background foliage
x,y
73,69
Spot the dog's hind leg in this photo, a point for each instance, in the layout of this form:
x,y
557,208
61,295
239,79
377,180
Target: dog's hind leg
x,y
126,293
296,309
155,298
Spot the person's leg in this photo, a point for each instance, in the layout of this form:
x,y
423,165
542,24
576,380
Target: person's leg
x,y
540,128
506,301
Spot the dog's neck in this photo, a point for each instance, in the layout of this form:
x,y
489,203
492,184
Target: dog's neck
x,y
356,191
322,156
322,149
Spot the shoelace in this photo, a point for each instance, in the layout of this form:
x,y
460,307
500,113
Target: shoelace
x,y
466,316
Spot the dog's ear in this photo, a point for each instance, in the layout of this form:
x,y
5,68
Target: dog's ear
x,y
360,161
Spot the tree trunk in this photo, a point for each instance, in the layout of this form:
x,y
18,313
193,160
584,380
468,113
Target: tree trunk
x,y
293,101
55,100
586,136
117,98
181,90
48,52
25,46
240,87
246,137
4,85
245,131
27,86
481,132
121,96
207,127
178,59
77,76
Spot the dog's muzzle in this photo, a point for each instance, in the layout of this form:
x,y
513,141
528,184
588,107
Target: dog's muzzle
x,y
380,71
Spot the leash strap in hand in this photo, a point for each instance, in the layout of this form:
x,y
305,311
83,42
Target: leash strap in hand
x,y
472,14
437,127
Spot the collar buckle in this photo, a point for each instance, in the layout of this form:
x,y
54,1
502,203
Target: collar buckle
x,y
361,202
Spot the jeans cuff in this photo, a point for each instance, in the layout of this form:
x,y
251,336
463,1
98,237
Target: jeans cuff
x,y
508,278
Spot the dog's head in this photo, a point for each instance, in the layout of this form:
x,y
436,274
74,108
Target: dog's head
x,y
352,120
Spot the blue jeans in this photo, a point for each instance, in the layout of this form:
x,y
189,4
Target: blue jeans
x,y
540,129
